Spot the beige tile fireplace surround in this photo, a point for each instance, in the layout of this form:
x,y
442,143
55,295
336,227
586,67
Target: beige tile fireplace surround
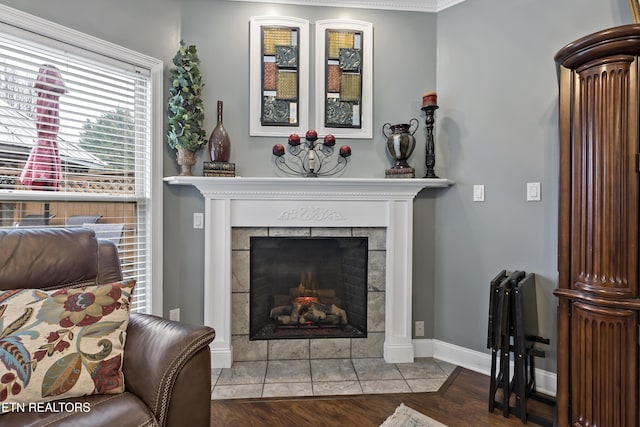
x,y
380,209
321,348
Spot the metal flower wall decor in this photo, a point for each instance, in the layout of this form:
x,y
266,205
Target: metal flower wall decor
x,y
310,158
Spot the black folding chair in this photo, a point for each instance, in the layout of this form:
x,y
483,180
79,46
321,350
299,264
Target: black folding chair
x,y
525,319
513,328
494,333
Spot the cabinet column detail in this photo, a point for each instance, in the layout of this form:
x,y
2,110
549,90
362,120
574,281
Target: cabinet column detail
x,y
598,230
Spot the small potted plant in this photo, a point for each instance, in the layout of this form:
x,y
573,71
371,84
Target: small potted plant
x,y
186,109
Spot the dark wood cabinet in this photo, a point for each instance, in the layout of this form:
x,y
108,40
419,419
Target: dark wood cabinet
x,y
598,230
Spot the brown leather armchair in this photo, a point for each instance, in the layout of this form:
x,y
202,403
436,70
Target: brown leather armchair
x,y
167,366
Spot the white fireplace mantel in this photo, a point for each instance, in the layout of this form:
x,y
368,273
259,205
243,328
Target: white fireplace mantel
x,y
309,202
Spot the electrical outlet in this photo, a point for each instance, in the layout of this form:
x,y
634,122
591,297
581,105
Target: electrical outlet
x,y
174,314
419,328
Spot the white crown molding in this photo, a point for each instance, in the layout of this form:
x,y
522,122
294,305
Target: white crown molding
x,y
406,5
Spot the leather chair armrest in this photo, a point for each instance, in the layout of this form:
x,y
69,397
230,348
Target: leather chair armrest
x,y
159,356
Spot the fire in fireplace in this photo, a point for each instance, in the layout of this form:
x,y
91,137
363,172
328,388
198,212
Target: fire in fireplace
x,y
308,287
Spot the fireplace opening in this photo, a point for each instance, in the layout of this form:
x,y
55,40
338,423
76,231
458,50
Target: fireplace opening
x,y
308,287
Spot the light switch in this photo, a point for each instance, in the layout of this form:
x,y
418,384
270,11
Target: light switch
x,y
533,191
198,220
478,193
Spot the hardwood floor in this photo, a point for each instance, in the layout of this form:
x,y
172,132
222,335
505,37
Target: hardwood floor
x,y
461,402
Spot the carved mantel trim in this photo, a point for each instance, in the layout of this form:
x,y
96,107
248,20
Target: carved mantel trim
x,y
311,213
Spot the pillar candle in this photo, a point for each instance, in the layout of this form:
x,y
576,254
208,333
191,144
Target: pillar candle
x,y
429,99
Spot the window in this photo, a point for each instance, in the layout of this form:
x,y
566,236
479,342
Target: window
x,y
76,130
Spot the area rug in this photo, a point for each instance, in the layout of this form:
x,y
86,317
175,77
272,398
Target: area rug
x,y
407,417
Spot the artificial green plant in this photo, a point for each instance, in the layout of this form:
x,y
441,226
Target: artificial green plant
x,y
186,108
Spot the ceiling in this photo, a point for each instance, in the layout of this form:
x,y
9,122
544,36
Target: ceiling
x,y
407,5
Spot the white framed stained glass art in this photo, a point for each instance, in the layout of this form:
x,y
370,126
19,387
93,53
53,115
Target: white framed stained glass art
x,y
343,78
279,75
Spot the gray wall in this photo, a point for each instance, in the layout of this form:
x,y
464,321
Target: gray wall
x,y
497,125
147,26
404,67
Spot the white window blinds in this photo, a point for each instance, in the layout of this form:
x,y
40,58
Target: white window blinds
x,y
75,147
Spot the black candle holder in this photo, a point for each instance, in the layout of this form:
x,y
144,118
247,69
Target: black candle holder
x,y
311,158
430,158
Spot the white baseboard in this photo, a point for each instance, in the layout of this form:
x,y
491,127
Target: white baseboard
x,y
475,361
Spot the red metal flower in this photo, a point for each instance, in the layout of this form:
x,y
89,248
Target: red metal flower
x,y
345,151
294,139
329,140
311,135
278,150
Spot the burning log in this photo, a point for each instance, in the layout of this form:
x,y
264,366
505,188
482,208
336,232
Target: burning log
x,y
279,311
315,314
283,320
337,311
308,307
295,312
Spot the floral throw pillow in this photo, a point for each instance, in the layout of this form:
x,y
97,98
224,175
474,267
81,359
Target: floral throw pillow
x,y
62,343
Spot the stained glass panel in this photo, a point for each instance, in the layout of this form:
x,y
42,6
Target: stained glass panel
x,y
343,84
280,76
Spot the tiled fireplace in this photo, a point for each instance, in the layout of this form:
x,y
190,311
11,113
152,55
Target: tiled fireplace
x,y
379,209
337,343
306,286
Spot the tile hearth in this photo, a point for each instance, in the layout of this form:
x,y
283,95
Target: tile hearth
x,y
324,377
